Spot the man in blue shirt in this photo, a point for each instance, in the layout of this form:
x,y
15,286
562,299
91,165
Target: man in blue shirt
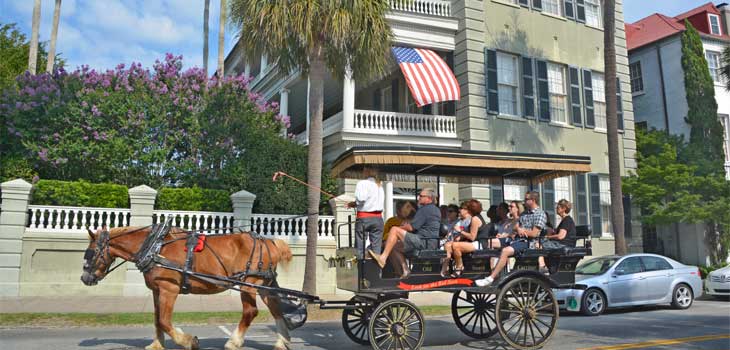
x,y
421,233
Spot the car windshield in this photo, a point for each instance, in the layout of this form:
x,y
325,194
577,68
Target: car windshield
x,y
596,266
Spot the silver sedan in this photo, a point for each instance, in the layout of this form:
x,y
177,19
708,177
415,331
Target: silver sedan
x,y
636,279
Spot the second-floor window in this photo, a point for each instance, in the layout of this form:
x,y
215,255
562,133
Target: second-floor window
x,y
599,100
593,13
552,7
637,82
558,97
713,62
715,25
508,72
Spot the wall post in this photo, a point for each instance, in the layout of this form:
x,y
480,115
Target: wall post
x,y
15,201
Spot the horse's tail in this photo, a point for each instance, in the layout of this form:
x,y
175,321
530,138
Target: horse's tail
x,y
285,255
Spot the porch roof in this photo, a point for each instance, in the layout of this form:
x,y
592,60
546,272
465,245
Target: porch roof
x,y
456,166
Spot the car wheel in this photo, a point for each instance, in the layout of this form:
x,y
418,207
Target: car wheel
x,y
593,303
682,297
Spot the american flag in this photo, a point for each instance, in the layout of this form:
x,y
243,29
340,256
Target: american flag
x,y
429,78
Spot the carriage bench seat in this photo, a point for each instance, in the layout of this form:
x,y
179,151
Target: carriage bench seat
x,y
488,253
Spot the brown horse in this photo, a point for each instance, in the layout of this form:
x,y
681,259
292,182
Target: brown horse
x,y
223,255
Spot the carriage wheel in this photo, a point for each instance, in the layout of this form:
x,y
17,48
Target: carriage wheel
x,y
355,322
474,313
396,324
528,313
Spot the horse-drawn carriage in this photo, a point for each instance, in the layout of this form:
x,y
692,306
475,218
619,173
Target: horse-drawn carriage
x,y
380,314
520,305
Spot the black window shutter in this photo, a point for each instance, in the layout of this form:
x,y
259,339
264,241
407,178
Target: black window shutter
x,y
588,99
376,99
525,3
619,105
543,92
394,95
595,191
581,200
492,90
548,199
537,5
576,107
568,8
528,88
496,193
580,11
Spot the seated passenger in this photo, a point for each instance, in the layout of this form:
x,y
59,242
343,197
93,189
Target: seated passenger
x,y
421,233
528,228
453,221
463,225
404,212
563,236
467,241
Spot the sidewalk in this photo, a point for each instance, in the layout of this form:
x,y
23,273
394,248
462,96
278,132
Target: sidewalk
x,y
185,303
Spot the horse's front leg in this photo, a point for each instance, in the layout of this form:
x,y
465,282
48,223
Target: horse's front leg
x,y
248,302
168,295
159,342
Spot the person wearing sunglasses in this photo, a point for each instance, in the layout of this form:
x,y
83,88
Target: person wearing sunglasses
x,y
528,228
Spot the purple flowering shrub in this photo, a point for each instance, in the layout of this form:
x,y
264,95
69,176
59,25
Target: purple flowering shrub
x,y
132,125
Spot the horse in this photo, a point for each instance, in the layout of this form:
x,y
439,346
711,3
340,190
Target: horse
x,y
223,255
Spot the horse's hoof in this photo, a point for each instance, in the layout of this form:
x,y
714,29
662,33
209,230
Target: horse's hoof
x,y
232,346
194,344
155,346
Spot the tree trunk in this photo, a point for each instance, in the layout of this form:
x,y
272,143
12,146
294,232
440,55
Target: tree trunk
x,y
206,16
33,52
54,33
614,159
221,41
314,166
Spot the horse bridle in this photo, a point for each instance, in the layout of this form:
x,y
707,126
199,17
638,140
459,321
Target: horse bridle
x,y
102,252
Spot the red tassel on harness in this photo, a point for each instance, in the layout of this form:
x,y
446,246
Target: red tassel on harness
x,y
198,246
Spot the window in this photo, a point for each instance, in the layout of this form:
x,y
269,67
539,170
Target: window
x,y
514,190
508,88
552,7
605,189
653,263
593,13
558,97
561,186
637,82
630,265
386,99
599,100
713,61
715,25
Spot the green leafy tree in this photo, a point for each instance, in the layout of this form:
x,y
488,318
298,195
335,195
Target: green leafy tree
x,y
14,47
706,133
316,36
669,191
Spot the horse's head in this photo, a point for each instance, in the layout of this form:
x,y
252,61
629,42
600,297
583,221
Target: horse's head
x,y
97,258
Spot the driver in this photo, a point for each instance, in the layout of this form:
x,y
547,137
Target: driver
x,y
421,233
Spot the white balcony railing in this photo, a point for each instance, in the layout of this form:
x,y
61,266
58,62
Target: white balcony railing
x,y
425,7
406,124
51,218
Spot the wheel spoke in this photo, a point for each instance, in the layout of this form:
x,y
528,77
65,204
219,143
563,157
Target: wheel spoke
x,y
466,313
543,322
539,331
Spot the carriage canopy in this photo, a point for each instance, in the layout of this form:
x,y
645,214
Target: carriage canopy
x,y
456,166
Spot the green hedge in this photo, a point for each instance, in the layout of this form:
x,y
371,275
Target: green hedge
x,y
195,199
80,194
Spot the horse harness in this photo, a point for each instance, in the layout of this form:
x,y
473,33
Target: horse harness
x,y
149,255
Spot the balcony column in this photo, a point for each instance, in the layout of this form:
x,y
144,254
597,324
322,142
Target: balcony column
x,y
264,63
348,101
284,102
388,205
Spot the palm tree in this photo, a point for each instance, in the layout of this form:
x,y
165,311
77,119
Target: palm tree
x,y
33,53
54,33
221,41
206,15
316,36
614,160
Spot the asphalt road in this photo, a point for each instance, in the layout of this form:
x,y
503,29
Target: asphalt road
x,y
706,325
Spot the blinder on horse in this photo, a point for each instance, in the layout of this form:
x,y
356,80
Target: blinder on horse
x,y
100,253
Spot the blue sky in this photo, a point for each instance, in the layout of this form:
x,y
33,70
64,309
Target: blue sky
x,y
103,33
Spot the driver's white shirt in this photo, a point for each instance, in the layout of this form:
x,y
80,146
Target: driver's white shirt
x,y
369,197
